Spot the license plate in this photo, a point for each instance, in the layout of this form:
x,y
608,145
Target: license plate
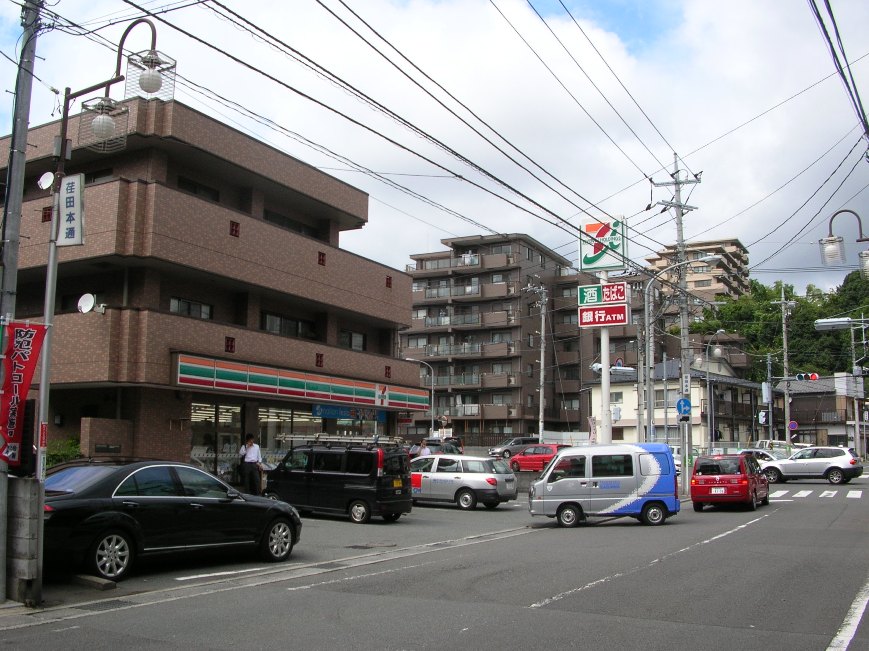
x,y
509,480
396,483
718,491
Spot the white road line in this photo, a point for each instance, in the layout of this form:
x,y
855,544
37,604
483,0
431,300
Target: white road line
x,y
778,494
227,573
828,494
633,570
848,629
802,493
855,494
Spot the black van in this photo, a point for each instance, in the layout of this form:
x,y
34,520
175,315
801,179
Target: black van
x,y
347,476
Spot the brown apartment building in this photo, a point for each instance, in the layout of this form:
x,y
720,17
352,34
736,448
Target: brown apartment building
x,y
229,307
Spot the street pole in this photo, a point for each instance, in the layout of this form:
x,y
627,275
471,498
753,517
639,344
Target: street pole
x,y
543,307
710,395
12,222
785,311
606,419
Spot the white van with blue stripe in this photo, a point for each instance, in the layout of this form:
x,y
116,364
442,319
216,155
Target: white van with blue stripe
x,y
608,481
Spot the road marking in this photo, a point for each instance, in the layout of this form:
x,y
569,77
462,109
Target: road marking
x,y
778,494
828,494
848,629
802,493
638,568
213,574
854,494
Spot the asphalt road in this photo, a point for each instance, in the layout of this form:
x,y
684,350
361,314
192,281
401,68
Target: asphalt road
x,y
791,575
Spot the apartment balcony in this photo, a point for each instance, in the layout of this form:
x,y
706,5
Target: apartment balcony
x,y
496,411
500,349
572,416
434,267
498,319
565,329
566,357
497,380
453,350
565,303
568,386
463,381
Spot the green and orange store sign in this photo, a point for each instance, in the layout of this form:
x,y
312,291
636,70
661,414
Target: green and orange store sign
x,y
195,372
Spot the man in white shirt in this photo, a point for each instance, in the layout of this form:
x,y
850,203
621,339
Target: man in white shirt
x,y
251,464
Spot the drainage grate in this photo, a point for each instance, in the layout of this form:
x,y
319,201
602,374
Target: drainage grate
x,y
105,605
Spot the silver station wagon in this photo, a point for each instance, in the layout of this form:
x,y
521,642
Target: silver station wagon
x,y
462,479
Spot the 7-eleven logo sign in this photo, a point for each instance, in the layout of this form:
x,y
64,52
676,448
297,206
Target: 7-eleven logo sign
x,y
602,245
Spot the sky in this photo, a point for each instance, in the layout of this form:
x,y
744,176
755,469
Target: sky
x,y
512,116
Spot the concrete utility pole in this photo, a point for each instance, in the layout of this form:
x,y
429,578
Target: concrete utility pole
x,y
680,208
543,304
12,219
786,307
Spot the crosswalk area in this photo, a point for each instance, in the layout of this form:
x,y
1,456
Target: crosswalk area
x,y
792,494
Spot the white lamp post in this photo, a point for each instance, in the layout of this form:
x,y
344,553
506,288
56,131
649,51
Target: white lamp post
x,y
710,394
833,246
431,386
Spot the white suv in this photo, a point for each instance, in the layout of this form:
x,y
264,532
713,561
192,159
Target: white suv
x,y
836,465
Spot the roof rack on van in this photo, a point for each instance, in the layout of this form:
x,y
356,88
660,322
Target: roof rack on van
x,y
311,439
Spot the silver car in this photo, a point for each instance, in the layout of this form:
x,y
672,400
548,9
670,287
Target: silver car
x,y
836,465
463,480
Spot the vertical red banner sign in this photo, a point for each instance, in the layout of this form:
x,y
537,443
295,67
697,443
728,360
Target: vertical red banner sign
x,y
21,353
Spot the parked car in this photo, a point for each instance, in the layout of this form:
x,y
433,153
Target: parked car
x,y
340,476
728,478
438,446
508,447
105,515
836,465
535,457
765,455
463,480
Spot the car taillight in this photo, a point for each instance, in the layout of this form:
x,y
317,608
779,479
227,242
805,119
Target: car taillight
x,y
693,481
380,462
743,482
47,510
491,481
853,462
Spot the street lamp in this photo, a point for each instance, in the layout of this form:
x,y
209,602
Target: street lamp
x,y
650,362
431,385
710,394
103,128
847,323
833,246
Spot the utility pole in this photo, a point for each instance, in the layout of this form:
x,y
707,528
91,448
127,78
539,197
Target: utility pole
x,y
685,385
12,220
543,304
786,307
770,398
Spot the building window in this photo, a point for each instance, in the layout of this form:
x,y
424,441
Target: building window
x,y
498,278
97,175
278,324
321,258
318,360
352,340
571,403
501,337
501,399
702,283
419,313
529,370
290,224
190,308
499,368
234,228
420,341
387,372
46,214
569,317
389,282
616,397
200,190
229,344
569,291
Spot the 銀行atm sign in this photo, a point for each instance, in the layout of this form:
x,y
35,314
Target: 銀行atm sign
x,y
603,293
595,316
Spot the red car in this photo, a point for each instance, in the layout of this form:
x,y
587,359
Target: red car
x,y
535,457
728,478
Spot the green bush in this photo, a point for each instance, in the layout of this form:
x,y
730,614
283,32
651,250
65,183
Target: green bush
x,y
60,451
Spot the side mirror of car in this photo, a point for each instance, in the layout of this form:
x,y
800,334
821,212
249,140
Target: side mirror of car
x,y
233,494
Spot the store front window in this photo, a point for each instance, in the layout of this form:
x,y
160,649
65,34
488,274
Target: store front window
x,y
217,435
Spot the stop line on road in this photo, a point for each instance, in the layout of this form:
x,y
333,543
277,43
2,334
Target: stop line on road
x,y
850,494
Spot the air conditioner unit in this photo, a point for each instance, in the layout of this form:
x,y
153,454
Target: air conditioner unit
x,y
511,379
511,289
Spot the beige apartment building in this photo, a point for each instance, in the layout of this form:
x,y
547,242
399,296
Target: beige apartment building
x,y
228,306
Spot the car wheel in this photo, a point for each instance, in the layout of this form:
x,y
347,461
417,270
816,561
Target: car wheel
x,y
391,517
466,499
359,512
698,506
506,454
773,475
765,500
569,516
752,503
515,466
111,556
653,514
836,476
491,505
277,542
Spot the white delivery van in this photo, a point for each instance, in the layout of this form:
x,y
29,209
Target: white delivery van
x,y
635,480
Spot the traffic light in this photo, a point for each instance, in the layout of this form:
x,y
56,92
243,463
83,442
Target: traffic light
x,y
802,377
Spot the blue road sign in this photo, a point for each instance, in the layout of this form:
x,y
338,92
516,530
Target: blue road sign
x,y
683,406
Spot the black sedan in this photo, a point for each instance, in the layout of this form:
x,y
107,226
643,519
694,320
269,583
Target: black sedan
x,y
106,515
